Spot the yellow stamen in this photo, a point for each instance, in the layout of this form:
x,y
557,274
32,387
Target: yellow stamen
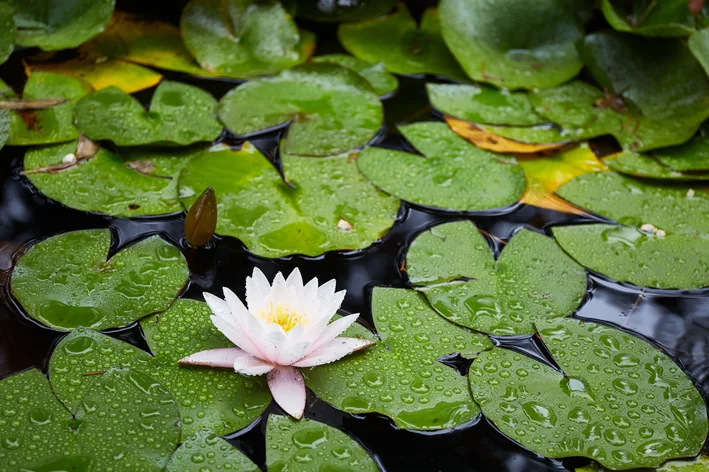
x,y
283,316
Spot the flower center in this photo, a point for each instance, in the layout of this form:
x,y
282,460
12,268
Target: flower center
x,y
283,316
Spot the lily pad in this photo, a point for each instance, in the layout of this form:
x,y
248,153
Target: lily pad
x,y
700,464
338,11
8,30
523,45
179,114
244,38
452,174
325,204
128,421
652,18
35,426
216,399
617,399
401,45
329,109
307,445
206,452
508,295
49,125
143,182
646,166
43,24
699,45
661,238
400,376
81,358
382,81
689,157
483,104
68,281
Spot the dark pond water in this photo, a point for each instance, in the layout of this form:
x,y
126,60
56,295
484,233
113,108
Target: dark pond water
x,y
677,322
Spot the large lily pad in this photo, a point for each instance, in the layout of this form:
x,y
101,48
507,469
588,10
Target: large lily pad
x,y
700,464
34,427
307,445
128,421
82,357
216,399
244,38
179,114
67,281
400,376
453,175
617,399
647,166
49,125
206,452
661,238
652,18
523,45
401,45
531,280
382,81
8,31
325,205
143,182
338,11
49,26
330,109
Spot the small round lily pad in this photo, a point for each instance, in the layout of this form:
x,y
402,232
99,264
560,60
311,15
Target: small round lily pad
x,y
207,452
376,74
68,280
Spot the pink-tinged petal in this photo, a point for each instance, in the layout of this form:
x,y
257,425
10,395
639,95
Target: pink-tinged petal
x,y
294,352
236,336
332,351
244,320
333,330
288,390
223,357
257,288
249,365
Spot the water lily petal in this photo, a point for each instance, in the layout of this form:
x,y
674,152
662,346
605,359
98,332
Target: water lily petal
x,y
288,390
295,280
250,365
216,304
331,331
332,351
244,319
330,304
294,352
223,357
257,289
236,335
273,342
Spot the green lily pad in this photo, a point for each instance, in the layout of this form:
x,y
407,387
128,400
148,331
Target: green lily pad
x,y
483,104
143,181
128,421
508,295
691,156
8,31
49,125
206,452
307,445
337,11
330,109
618,399
677,258
216,399
67,281
652,18
82,357
700,464
382,81
244,38
44,24
647,166
325,205
523,45
401,45
400,376
179,114
699,45
35,427
453,175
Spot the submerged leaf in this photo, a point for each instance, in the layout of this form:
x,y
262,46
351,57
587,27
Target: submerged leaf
x,y
207,452
67,281
618,399
382,81
201,220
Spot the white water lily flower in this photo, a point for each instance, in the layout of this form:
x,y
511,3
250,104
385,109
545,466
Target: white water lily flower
x,y
286,326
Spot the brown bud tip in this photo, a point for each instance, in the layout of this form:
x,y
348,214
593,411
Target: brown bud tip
x,y
201,221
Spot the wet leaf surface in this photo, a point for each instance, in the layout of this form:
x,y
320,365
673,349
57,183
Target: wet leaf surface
x,y
134,190
302,215
523,45
700,464
653,18
66,281
617,399
647,166
206,452
691,156
491,138
531,280
8,31
244,38
305,445
208,398
660,240
382,81
400,376
329,109
179,114
40,23
453,175
401,45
